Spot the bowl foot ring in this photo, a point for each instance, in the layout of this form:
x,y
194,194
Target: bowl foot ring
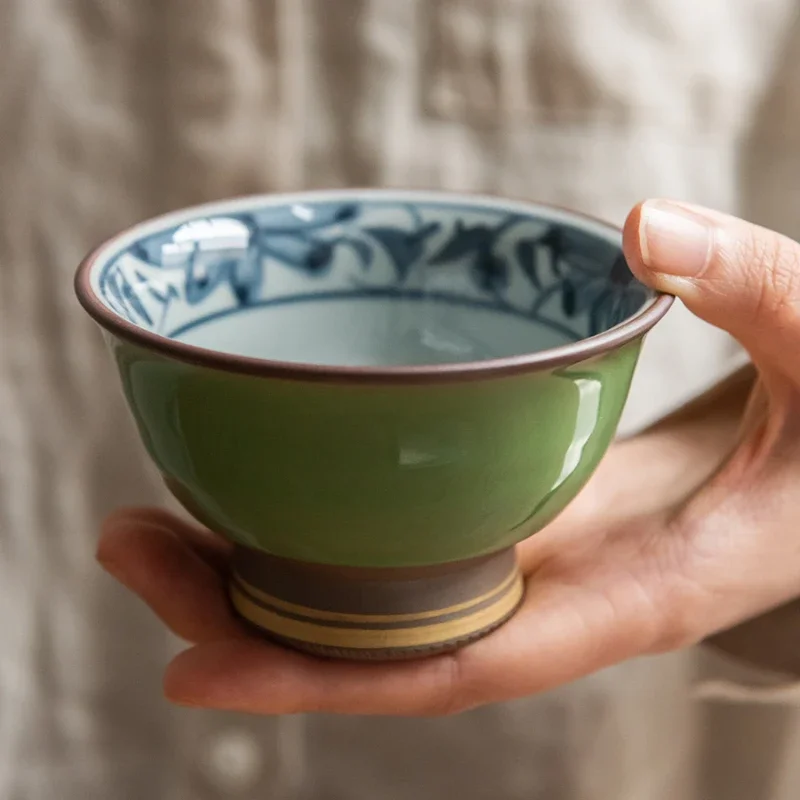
x,y
375,614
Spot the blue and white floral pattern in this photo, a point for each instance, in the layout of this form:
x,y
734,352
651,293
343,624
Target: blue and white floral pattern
x,y
553,273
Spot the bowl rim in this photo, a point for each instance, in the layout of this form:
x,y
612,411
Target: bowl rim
x,y
628,330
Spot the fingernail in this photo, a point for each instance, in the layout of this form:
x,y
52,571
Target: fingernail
x,y
673,240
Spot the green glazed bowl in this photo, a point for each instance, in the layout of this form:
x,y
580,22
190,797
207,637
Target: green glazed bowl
x,y
374,395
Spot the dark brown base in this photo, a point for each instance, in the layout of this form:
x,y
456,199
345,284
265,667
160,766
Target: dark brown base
x,y
375,614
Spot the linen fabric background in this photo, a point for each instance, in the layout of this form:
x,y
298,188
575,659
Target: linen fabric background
x,y
114,110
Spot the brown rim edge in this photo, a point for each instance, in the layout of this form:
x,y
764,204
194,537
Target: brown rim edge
x,y
629,330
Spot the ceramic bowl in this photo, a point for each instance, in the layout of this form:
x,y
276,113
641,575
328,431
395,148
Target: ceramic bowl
x,y
374,395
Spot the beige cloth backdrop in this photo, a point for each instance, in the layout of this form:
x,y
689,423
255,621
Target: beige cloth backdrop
x,y
112,110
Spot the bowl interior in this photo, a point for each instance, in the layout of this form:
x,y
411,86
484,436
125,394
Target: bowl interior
x,y
370,279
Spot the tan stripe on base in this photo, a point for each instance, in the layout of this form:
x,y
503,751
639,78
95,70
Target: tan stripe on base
x,y
370,639
339,616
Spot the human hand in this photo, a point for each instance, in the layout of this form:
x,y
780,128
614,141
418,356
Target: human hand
x,y
697,537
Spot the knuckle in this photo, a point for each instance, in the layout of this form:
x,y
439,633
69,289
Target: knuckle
x,y
773,268
678,625
679,598
448,697
677,631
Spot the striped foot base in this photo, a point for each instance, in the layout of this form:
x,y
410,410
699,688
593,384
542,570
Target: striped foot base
x,y
375,614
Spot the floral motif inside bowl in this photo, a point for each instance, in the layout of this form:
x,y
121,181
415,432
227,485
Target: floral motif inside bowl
x,y
392,282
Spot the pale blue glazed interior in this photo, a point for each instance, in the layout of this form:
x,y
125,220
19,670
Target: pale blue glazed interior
x,y
371,279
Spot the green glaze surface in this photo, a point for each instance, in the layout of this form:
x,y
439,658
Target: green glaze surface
x,y
375,475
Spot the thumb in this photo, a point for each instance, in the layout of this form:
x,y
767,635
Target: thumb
x,y
737,276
